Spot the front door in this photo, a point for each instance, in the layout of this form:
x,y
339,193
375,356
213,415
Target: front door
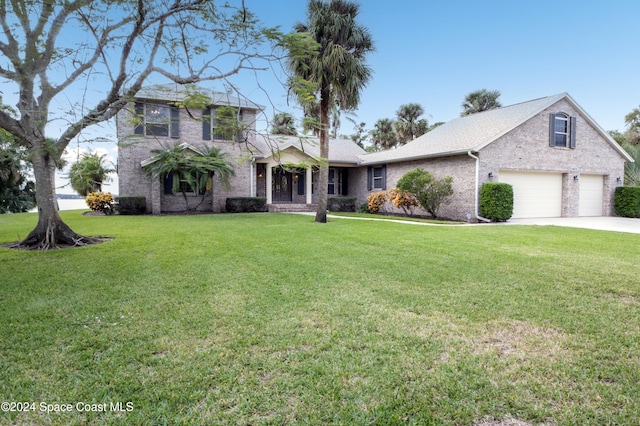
x,y
282,184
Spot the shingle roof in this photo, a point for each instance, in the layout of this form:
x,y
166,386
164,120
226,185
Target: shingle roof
x,y
475,131
177,92
340,150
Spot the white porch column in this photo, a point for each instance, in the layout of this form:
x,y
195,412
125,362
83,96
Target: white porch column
x,y
269,183
308,183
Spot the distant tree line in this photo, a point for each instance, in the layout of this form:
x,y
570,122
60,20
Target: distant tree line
x,y
407,125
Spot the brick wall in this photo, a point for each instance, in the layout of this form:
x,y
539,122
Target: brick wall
x,y
133,149
527,149
460,167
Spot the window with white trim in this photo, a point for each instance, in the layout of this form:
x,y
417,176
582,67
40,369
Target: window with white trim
x,y
157,120
562,130
377,177
226,127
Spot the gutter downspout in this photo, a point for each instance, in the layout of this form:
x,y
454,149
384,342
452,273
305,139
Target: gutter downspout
x,y
484,219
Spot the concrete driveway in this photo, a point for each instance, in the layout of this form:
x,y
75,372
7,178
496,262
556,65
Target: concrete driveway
x,y
617,224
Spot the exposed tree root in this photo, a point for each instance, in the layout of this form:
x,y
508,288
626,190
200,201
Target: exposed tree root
x,y
54,236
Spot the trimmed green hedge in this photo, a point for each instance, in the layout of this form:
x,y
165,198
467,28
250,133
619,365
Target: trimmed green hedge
x,y
131,205
246,204
341,204
496,201
626,201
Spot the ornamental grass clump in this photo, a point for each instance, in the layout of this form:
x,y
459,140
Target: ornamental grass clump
x,y
100,202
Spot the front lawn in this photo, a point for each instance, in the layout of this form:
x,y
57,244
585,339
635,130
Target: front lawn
x,y
274,319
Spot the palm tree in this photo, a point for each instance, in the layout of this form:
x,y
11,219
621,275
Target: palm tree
x,y
383,134
632,170
283,124
193,168
633,121
480,100
408,127
88,174
337,71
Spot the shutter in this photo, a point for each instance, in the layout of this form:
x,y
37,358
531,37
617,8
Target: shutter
x,y
238,136
168,183
552,130
369,178
572,132
384,177
139,129
345,181
174,123
206,124
301,184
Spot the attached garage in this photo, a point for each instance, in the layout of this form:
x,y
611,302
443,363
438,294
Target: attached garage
x,y
591,195
535,194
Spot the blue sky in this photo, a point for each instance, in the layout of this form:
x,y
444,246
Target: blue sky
x,y
436,52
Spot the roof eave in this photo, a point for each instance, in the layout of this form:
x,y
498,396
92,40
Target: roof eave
x,y
419,157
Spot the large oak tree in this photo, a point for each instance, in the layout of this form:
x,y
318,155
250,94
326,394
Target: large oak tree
x,y
51,50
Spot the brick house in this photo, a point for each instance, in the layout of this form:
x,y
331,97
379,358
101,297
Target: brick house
x,y
158,119
559,161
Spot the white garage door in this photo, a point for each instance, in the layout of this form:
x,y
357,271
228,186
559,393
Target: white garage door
x,y
535,194
591,195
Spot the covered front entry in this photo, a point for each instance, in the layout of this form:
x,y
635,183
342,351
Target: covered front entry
x,y
281,186
535,194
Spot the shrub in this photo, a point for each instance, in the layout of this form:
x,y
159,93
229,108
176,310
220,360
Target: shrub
x,y
376,200
404,200
246,204
341,204
131,205
626,201
363,208
430,192
496,201
100,202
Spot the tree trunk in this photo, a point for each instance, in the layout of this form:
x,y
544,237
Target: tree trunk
x,y
323,177
51,231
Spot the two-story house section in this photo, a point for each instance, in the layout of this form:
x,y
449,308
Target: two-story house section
x,y
159,118
283,169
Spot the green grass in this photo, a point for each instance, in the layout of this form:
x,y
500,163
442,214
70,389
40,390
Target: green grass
x,y
274,319
397,218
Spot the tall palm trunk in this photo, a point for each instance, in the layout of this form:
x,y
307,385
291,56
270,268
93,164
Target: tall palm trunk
x,y
323,176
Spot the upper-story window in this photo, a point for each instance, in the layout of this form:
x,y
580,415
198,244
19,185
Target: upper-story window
x,y
221,123
157,120
562,130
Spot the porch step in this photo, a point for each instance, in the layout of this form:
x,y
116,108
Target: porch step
x,y
283,208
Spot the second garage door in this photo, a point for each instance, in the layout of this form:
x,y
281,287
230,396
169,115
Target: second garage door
x,y
591,195
535,194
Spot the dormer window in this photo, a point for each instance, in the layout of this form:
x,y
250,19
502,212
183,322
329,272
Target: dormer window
x,y
562,131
